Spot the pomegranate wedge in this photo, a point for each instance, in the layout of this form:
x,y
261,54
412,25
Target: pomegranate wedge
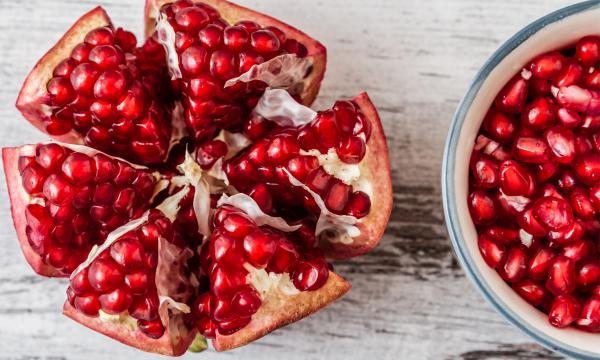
x,y
322,166
93,87
136,287
262,274
224,56
67,198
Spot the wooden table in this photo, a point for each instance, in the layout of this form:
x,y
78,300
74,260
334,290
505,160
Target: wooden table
x,y
410,299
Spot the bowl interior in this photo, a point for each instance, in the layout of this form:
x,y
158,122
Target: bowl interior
x,y
557,32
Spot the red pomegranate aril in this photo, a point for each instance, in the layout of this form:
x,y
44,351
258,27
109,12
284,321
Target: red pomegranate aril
x,y
587,168
264,42
588,50
539,114
144,308
116,301
562,144
569,118
137,282
231,326
223,64
226,282
492,252
482,207
128,253
78,168
358,205
33,178
238,226
105,275
485,172
87,304
515,179
153,329
337,196
351,150
246,303
595,196
540,263
564,311
589,319
310,275
58,190
530,150
261,194
567,235
554,213
515,266
578,250
284,258
566,181
318,181
513,96
499,126
571,74
259,248
561,276
581,204
588,275
547,66
325,129
532,291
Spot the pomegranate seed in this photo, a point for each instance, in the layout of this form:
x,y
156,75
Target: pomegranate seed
x,y
578,250
515,266
564,311
539,114
351,150
568,118
264,41
515,179
492,252
530,150
137,282
116,301
310,275
589,319
246,303
540,263
588,50
587,168
284,258
553,213
532,291
571,74
547,66
512,97
499,126
359,205
144,308
562,144
561,276
481,207
153,329
259,248
581,204
87,304
128,253
337,196
588,275
105,275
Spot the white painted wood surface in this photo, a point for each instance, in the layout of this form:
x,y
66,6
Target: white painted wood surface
x,y
410,298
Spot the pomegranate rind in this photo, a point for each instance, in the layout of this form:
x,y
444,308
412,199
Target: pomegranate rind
x,y
165,345
375,170
17,195
32,96
278,310
232,13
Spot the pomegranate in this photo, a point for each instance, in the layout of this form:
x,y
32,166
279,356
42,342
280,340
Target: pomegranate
x,y
533,189
229,194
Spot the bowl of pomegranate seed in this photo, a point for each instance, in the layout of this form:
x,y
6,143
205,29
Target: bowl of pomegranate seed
x,y
521,180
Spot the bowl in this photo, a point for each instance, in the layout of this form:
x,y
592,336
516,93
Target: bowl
x,y
554,31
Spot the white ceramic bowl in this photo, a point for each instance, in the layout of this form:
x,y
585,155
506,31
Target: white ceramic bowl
x,y
554,31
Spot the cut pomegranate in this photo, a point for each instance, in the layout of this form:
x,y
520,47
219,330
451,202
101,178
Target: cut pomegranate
x,y
92,88
67,198
224,228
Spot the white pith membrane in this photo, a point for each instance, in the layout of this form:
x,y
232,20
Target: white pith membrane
x,y
170,275
30,150
278,106
286,71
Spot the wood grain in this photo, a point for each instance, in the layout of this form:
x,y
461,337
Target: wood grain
x,y
410,299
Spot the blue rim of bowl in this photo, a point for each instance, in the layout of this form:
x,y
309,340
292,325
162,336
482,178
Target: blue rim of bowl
x,y
448,183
